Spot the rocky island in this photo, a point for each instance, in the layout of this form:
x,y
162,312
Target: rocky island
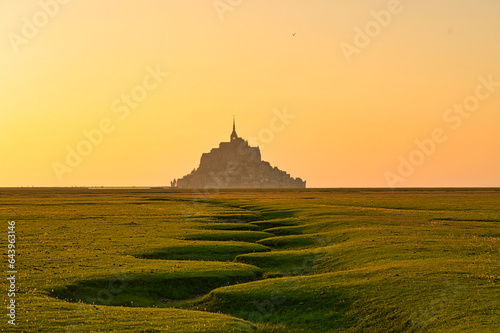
x,y
235,164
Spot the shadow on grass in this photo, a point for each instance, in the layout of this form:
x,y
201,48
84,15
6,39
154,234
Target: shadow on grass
x,y
158,289
229,235
231,226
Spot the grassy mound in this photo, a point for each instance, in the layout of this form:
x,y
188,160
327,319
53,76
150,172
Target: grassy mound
x,y
285,231
359,300
81,317
242,217
294,262
291,242
203,250
304,304
156,288
273,223
228,235
230,226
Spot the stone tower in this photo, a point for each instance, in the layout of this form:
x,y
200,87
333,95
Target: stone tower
x,y
234,136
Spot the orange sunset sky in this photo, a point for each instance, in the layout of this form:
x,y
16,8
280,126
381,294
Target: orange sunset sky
x,y
369,93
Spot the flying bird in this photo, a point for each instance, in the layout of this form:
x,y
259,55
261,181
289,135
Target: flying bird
x,y
294,34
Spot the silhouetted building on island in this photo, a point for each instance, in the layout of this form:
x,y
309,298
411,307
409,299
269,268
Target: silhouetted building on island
x,y
236,165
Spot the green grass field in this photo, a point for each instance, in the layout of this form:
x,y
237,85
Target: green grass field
x,y
156,260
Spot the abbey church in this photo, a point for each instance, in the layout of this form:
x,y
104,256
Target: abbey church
x,y
235,164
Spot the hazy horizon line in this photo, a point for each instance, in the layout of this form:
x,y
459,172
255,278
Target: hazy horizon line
x,y
262,188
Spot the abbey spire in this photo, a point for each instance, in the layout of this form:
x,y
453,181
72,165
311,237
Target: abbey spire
x,y
234,136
